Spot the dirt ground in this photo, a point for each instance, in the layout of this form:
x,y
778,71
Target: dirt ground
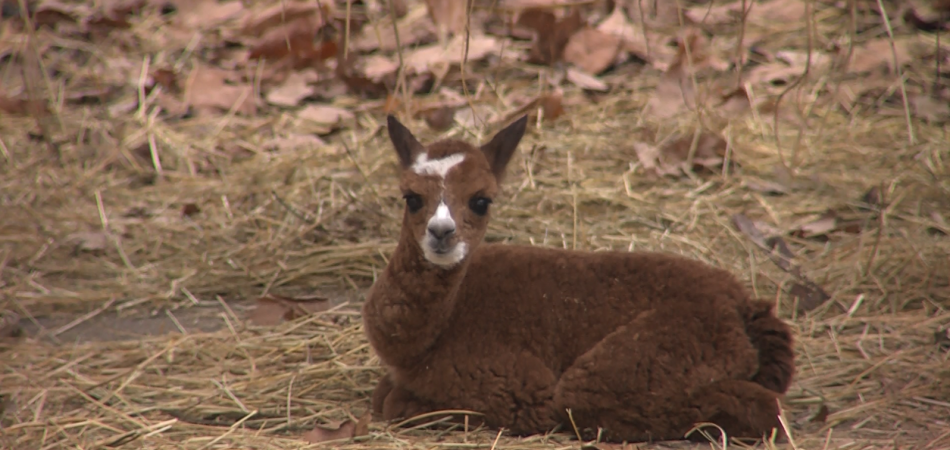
x,y
187,233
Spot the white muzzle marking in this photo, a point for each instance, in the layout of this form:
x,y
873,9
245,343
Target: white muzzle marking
x,y
433,248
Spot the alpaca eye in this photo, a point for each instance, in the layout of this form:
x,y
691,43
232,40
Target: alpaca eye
x,y
413,202
479,205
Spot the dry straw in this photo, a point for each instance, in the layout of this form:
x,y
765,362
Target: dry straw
x,y
93,225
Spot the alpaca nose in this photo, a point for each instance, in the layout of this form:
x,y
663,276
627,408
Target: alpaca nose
x,y
441,229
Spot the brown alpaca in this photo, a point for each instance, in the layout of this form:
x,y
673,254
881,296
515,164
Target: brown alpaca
x,y
642,345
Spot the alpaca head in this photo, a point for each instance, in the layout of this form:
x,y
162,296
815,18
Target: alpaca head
x,y
448,187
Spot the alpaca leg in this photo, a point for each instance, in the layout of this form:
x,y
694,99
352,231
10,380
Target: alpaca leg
x,y
636,383
399,403
744,409
383,388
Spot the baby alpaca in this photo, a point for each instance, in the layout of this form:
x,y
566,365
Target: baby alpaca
x,y
642,345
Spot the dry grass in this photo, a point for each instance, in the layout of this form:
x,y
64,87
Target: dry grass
x,y
868,355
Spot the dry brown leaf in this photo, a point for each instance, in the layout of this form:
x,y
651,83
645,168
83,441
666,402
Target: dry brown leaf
x,y
89,241
207,89
51,12
759,13
767,187
271,309
293,142
294,89
415,27
425,57
258,22
829,222
809,295
9,327
18,106
675,92
671,157
876,54
930,109
448,15
206,14
440,119
662,14
821,416
649,47
551,34
292,38
376,67
343,430
325,114
592,50
585,80
928,14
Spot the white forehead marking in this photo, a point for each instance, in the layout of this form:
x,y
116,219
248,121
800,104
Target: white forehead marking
x,y
440,167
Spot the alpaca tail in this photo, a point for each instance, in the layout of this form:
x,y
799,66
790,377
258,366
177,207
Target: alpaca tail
x,y
773,339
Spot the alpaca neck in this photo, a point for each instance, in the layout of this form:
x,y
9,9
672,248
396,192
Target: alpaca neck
x,y
410,305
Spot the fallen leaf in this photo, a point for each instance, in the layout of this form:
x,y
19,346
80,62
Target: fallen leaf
x,y
940,225
821,416
929,109
671,159
190,209
292,38
9,326
767,187
585,80
873,197
18,106
347,72
829,222
808,294
647,46
272,309
343,430
420,59
294,89
324,114
448,15
675,92
758,13
550,105
258,22
293,142
821,226
942,338
89,241
928,15
415,27
207,89
592,50
206,14
551,34
51,12
877,53
441,119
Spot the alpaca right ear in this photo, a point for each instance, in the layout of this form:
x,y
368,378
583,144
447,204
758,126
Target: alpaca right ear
x,y
406,145
502,146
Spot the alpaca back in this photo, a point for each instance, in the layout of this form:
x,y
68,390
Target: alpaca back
x,y
559,303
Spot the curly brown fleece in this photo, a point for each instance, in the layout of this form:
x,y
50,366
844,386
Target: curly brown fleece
x,y
642,345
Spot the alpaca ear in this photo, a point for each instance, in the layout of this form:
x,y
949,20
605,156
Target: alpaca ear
x,y
406,145
502,146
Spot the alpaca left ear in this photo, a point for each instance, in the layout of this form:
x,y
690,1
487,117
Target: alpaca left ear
x,y
406,145
501,147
